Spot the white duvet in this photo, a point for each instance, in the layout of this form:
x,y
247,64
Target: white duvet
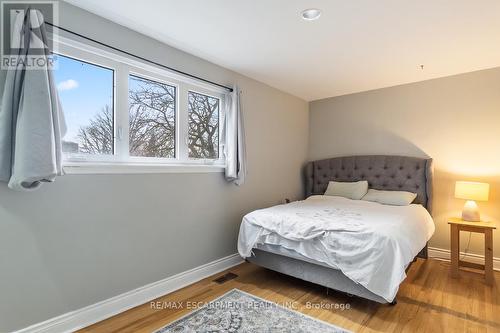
x,y
370,243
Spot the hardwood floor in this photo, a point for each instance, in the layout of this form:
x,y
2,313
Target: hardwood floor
x,y
428,301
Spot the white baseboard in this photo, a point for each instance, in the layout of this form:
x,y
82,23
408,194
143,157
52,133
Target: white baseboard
x,y
75,320
72,321
443,254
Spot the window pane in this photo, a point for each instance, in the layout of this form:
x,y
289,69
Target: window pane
x,y
203,112
152,118
86,93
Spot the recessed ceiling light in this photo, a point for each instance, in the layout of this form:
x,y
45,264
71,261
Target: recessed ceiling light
x,y
311,14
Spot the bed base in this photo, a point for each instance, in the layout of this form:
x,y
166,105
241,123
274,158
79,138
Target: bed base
x,y
424,254
316,273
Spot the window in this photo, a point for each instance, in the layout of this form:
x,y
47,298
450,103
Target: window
x,y
121,112
203,123
151,118
86,92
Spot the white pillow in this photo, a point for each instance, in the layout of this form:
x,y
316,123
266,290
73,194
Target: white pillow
x,y
395,198
350,190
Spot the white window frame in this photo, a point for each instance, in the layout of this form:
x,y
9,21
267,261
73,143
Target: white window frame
x,y
121,161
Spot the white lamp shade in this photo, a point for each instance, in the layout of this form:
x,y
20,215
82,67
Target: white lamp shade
x,y
472,191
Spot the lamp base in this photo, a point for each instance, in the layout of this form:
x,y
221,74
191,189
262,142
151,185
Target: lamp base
x,y
471,212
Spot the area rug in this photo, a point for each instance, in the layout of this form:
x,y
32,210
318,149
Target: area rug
x,y
238,311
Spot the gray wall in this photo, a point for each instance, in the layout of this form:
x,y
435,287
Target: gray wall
x,y
455,120
86,238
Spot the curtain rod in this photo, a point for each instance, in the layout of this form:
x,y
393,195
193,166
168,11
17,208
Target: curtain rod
x,y
139,57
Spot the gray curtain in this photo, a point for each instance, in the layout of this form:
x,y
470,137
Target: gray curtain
x,y
234,138
31,119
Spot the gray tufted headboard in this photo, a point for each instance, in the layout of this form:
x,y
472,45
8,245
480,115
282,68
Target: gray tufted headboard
x,y
383,172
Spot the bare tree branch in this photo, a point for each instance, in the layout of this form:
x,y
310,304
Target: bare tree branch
x,y
152,123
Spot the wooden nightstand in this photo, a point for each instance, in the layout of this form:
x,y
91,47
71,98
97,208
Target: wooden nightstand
x,y
486,228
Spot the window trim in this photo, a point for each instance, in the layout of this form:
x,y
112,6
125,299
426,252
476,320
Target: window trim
x,y
121,161
102,168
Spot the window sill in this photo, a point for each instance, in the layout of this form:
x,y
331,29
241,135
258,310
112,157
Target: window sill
x,y
72,168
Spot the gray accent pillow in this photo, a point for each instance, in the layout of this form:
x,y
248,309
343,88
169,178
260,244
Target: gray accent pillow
x,y
394,198
350,190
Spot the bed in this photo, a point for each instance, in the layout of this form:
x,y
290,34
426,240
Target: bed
x,y
353,246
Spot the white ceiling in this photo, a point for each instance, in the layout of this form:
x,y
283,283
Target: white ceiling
x,y
354,46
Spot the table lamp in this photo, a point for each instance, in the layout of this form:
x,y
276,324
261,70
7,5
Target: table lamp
x,y
472,192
